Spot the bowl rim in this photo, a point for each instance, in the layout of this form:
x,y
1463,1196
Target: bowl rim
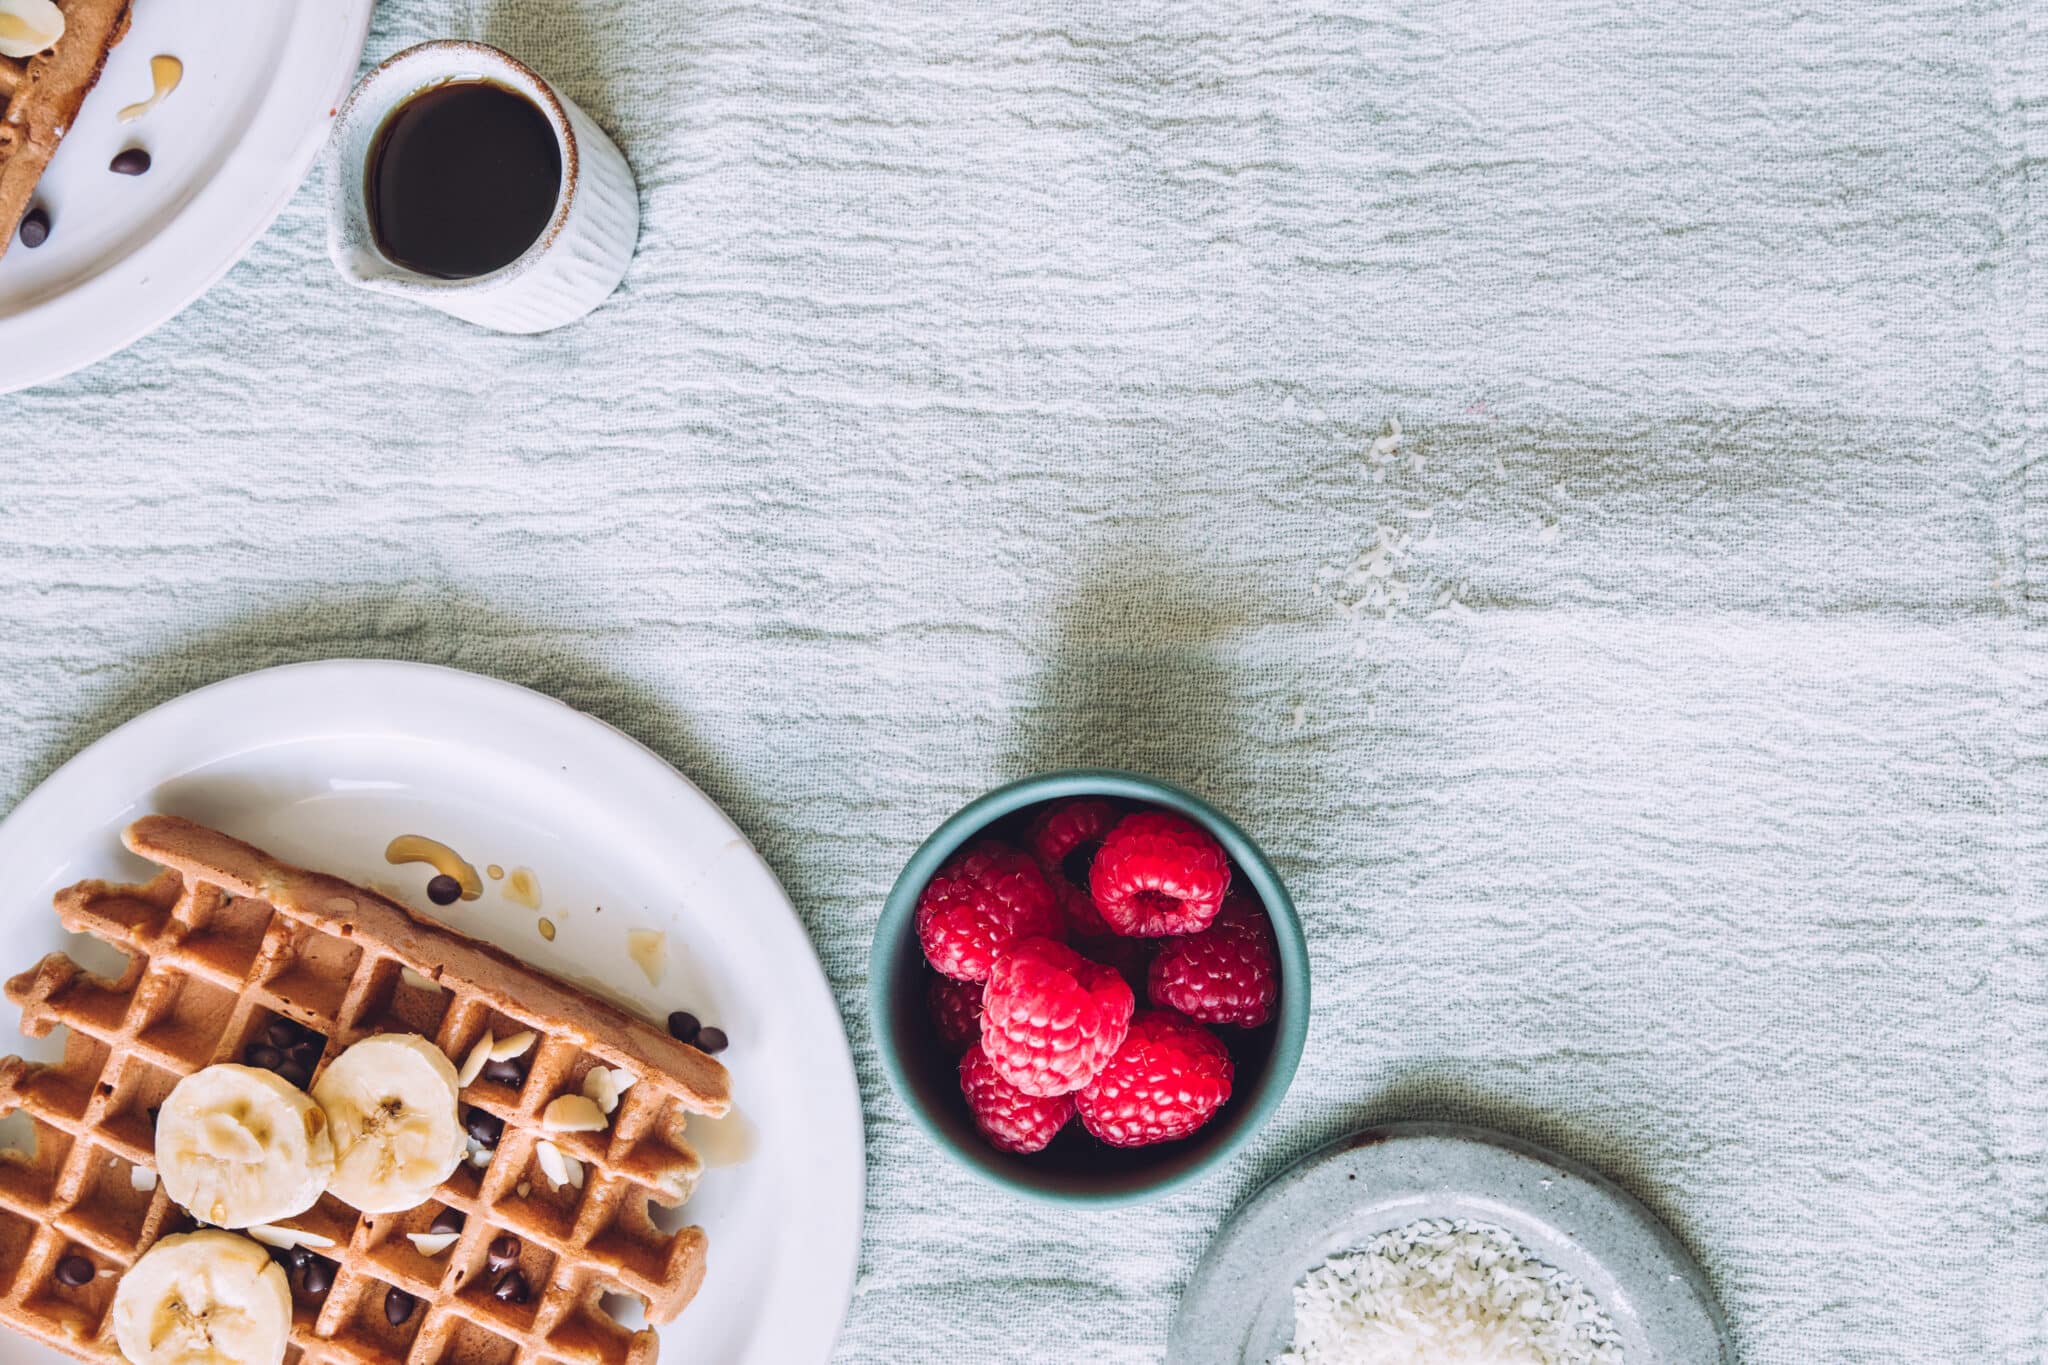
x,y
1291,1023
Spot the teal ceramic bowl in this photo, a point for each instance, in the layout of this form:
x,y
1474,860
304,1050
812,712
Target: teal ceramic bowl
x,y
1076,1169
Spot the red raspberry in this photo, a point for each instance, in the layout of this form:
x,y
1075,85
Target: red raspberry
x,y
1168,1079
1159,873
1007,1117
1051,1018
1064,836
1224,975
977,903
956,1011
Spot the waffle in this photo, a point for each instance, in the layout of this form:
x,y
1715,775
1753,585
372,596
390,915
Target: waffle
x,y
39,99
224,941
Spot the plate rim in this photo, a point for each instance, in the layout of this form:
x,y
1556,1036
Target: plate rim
x,y
383,677
1208,1282
54,340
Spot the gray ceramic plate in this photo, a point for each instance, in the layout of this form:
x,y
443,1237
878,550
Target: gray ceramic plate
x,y
1239,1308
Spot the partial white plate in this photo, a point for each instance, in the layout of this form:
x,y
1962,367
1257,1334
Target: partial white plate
x,y
1239,1307
228,148
322,764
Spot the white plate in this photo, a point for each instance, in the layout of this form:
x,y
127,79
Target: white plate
x,y
322,764
1239,1305
231,144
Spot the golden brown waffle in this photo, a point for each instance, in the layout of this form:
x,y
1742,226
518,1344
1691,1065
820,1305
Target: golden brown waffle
x,y
227,940
39,99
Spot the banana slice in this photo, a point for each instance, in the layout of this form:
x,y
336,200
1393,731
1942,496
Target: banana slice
x,y
391,1101
207,1298
236,1146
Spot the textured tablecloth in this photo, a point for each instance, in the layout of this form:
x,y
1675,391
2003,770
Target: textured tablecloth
x,y
997,387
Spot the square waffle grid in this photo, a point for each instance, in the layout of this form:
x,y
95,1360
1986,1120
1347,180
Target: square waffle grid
x,y
196,953
40,96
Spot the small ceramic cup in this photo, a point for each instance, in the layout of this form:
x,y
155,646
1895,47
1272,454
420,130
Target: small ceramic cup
x,y
579,257
1076,1170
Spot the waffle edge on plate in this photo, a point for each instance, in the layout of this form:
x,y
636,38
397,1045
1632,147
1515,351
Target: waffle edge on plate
x,y
226,940
40,96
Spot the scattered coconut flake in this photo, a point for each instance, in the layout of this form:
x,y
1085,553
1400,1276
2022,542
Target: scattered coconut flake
x,y
1446,1292
285,1239
506,1049
552,1163
572,1114
142,1178
648,948
473,1065
432,1244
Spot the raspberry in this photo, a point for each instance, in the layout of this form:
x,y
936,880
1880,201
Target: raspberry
x,y
1159,873
1051,1018
1224,975
1168,1079
1064,836
977,903
1006,1116
956,1011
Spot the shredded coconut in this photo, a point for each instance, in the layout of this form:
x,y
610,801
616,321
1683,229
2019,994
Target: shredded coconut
x,y
1446,1292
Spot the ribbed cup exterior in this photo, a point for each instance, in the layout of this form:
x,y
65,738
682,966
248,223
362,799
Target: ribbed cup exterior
x,y
573,266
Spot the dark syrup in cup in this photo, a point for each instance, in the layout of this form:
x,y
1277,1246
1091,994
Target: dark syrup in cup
x,y
462,179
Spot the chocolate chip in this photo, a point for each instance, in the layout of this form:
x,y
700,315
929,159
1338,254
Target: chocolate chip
x,y
503,1251
511,1288
444,890
35,227
298,1258
448,1220
74,1271
283,1033
295,1072
683,1026
264,1057
711,1040
397,1306
319,1276
507,1072
485,1126
131,161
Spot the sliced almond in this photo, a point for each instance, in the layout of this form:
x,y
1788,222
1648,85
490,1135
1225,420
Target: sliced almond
x,y
575,1170
552,1164
473,1064
572,1114
481,1157
623,1080
285,1239
505,1049
142,1178
601,1089
432,1243
413,978
525,1189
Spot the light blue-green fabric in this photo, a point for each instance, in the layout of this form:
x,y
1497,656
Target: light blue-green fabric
x,y
996,388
